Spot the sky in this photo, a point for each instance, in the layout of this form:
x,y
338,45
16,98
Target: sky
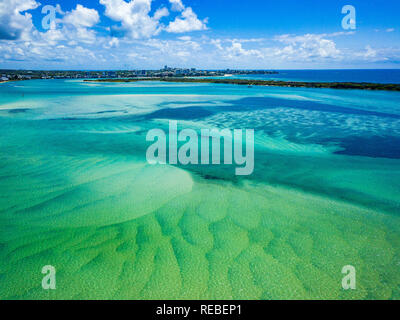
x,y
203,34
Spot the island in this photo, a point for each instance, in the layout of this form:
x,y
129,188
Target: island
x,y
268,83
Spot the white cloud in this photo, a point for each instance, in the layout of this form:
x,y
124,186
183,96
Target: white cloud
x,y
136,22
53,36
76,28
75,40
217,43
370,53
75,43
82,35
134,16
281,51
160,13
309,47
186,22
185,38
114,42
177,5
13,21
237,50
82,17
390,30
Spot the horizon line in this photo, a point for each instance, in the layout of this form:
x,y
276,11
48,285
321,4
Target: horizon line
x,y
200,69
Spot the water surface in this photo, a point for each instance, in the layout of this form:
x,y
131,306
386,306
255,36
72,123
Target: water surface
x,y
77,193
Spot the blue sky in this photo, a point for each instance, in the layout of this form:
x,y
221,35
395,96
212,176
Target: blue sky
x,y
212,34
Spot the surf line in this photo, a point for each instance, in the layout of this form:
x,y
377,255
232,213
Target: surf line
x,y
191,153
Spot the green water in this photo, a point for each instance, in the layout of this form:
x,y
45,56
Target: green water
x,y
77,194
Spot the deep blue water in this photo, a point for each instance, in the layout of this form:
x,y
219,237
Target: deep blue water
x,y
374,76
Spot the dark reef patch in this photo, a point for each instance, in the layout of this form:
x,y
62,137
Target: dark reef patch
x,y
21,110
374,147
188,113
260,103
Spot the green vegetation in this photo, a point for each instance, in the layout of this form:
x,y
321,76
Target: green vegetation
x,y
294,84
122,74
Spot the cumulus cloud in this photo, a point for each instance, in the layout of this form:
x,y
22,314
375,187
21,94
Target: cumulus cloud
x,y
237,50
185,38
160,13
76,27
14,20
177,5
370,53
134,16
75,42
114,42
82,17
309,46
383,55
281,50
186,22
137,23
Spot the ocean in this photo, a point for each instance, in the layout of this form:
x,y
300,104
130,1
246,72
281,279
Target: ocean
x,y
362,75
77,193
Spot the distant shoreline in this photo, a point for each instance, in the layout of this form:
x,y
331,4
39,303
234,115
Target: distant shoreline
x,y
268,83
15,80
250,83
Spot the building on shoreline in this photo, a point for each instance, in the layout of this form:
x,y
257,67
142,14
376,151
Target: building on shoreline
x,y
111,74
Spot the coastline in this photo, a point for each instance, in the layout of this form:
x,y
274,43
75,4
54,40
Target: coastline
x,y
16,80
268,83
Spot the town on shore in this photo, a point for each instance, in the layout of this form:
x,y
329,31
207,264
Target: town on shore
x,y
13,75
187,75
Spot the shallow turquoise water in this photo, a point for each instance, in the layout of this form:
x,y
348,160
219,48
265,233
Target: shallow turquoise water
x,y
77,193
